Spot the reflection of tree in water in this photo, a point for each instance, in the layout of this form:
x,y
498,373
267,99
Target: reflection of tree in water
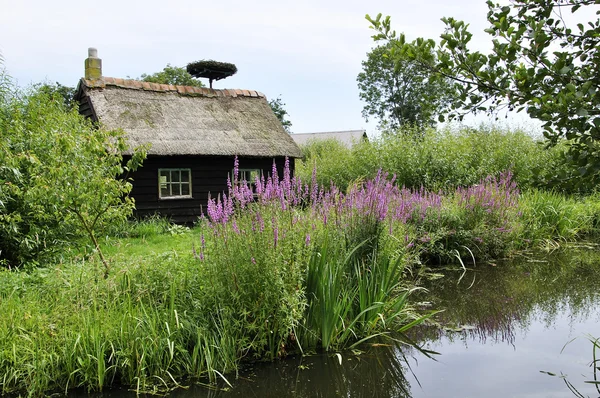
x,y
376,372
490,304
494,302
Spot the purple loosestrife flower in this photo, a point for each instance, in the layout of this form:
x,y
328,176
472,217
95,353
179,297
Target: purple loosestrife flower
x,y
236,170
307,240
259,184
287,183
216,210
229,185
275,175
314,187
227,208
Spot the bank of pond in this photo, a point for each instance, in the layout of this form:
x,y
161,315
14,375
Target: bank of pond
x,y
283,270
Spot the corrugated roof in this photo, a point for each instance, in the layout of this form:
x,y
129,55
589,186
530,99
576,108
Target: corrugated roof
x,y
184,120
347,138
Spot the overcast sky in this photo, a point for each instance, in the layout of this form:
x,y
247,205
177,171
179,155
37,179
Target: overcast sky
x,y
307,52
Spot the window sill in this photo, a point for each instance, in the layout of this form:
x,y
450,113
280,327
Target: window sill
x,y
176,198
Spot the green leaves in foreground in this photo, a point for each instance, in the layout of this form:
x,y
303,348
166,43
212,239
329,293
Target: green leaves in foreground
x,y
351,300
540,63
58,179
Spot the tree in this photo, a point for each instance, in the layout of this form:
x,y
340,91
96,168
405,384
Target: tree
x,y
66,92
212,70
58,177
400,92
277,105
175,75
541,62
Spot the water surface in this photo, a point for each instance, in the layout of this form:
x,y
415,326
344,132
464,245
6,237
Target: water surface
x,y
503,326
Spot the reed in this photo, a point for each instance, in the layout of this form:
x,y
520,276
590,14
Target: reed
x,y
297,268
551,216
437,159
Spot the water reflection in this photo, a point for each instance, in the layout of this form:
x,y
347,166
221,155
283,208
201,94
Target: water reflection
x,y
494,302
377,372
512,323
502,327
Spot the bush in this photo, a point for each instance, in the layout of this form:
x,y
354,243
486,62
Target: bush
x,y
57,177
438,159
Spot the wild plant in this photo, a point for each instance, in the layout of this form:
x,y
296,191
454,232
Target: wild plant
x,y
289,266
475,222
439,159
552,216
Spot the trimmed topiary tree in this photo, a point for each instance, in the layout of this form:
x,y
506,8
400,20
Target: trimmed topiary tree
x,y
212,70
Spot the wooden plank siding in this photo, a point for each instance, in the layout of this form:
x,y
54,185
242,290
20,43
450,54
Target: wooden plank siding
x,y
208,174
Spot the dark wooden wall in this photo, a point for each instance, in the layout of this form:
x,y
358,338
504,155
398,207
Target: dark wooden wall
x,y
209,175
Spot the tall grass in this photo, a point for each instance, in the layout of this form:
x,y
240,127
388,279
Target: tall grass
x,y
291,267
438,159
549,216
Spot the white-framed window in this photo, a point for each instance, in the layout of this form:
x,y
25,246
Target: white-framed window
x,y
174,183
250,176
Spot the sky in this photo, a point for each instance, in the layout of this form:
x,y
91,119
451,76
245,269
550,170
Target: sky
x,y
306,52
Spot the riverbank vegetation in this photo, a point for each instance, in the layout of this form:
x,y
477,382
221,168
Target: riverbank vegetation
x,y
435,159
299,267
323,260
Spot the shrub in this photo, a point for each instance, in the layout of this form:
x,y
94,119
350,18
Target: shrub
x,y
57,177
438,159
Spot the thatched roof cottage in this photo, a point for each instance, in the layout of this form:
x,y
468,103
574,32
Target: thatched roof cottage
x,y
194,133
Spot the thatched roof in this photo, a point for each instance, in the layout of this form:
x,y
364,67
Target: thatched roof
x,y
348,138
184,120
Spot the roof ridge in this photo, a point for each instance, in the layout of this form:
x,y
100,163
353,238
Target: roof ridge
x,y
333,132
192,91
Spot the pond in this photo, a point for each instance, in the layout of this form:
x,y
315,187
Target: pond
x,y
511,329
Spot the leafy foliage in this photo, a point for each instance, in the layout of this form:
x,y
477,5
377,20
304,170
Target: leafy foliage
x,y
213,70
437,159
57,176
399,92
540,62
172,75
66,92
265,276
277,105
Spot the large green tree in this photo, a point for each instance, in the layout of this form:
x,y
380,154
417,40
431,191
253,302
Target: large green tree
x,y
58,176
544,61
400,92
172,75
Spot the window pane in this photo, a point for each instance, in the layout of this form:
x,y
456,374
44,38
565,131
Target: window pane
x,y
185,189
164,176
174,182
185,175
